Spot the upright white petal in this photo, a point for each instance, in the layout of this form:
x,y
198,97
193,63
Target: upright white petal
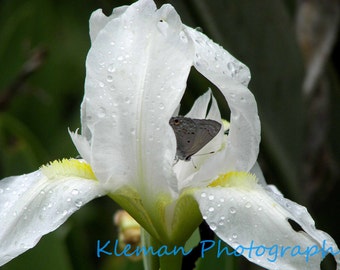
x,y
231,77
136,75
33,205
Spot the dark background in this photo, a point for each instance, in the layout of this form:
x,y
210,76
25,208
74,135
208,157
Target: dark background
x,y
290,48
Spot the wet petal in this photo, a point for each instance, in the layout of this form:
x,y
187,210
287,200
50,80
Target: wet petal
x,y
136,75
35,204
231,77
245,215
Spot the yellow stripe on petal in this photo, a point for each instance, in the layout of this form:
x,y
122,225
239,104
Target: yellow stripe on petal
x,y
68,168
242,180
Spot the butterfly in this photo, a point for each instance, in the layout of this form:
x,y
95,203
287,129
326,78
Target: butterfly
x,y
192,134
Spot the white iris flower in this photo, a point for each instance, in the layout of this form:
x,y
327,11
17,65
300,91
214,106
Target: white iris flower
x,y
136,73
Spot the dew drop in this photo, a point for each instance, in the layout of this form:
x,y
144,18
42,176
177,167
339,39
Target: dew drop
x,y
64,213
109,78
183,37
101,84
234,235
78,203
248,205
232,210
202,63
161,106
127,100
204,217
203,194
211,197
231,67
68,199
120,58
213,226
211,209
222,200
222,217
111,68
101,112
75,192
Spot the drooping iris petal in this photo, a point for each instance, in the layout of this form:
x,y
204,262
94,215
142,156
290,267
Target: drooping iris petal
x,y
136,75
244,215
35,204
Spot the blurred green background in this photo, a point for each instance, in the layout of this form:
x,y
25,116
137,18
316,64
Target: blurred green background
x,y
290,48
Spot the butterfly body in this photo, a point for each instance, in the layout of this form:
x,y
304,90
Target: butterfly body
x,y
192,134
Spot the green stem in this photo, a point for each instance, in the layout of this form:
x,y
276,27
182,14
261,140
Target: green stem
x,y
162,262
150,262
171,262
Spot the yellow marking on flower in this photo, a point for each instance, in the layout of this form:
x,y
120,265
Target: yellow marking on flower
x,y
242,180
68,168
226,125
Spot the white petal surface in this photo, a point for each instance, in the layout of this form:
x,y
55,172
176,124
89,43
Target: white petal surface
x,y
231,77
136,75
98,20
248,216
33,205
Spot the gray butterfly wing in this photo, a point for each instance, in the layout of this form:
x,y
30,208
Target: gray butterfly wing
x,y
185,132
192,134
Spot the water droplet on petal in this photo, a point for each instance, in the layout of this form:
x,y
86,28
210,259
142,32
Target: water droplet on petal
x,y
109,78
203,194
231,68
127,100
204,217
111,68
78,203
101,112
213,226
211,209
248,204
183,37
234,235
161,106
222,200
75,192
211,197
232,210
